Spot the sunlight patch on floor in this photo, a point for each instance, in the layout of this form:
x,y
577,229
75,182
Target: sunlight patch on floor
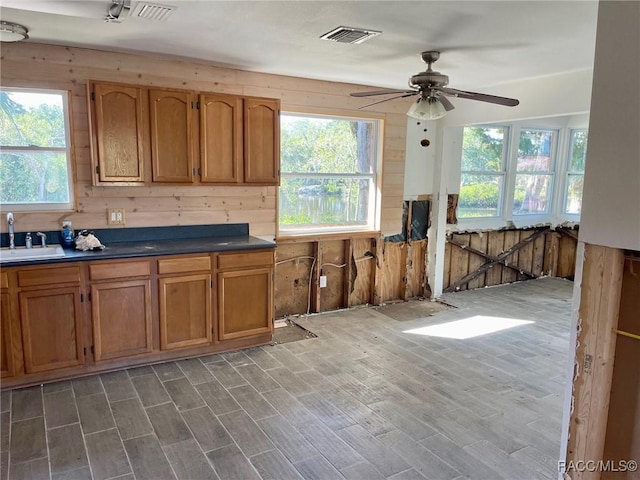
x,y
469,327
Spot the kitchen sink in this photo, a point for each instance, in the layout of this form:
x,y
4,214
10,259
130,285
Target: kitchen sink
x,y
23,254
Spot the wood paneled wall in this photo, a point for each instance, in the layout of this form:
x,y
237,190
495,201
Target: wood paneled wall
x,y
34,65
552,253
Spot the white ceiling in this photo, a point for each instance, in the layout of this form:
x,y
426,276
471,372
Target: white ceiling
x,y
484,43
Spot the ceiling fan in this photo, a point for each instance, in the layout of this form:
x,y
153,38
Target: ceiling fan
x,y
431,86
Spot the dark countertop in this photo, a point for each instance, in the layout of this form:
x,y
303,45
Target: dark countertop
x,y
152,241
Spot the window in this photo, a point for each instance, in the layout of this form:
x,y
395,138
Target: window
x,y
575,172
328,173
534,172
483,172
508,174
35,153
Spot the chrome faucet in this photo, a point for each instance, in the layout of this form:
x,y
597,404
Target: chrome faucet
x,y
43,239
12,244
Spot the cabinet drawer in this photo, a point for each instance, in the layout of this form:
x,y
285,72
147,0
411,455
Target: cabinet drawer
x,y
246,259
4,280
48,276
104,271
186,264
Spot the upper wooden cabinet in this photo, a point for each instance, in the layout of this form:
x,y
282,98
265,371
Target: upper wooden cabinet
x,y
190,138
261,141
171,135
220,138
118,124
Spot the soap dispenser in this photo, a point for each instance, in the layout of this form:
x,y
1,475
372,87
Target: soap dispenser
x,y
67,236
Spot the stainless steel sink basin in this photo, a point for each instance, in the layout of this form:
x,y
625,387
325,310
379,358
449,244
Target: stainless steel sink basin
x,y
23,254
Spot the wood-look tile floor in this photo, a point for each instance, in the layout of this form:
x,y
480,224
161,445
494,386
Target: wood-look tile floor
x,y
364,400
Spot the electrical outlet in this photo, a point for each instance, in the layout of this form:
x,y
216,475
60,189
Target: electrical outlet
x,y
115,216
323,281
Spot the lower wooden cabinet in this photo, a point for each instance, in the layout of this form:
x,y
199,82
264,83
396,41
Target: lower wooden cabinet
x,y
8,365
52,332
245,303
185,310
59,321
245,294
121,313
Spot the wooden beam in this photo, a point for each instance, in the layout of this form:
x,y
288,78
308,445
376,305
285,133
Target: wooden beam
x,y
492,258
598,318
498,260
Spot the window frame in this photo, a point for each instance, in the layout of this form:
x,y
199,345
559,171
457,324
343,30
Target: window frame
x,y
551,173
569,172
67,150
559,174
506,142
375,177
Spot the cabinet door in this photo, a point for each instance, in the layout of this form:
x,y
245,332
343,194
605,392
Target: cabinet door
x,y
185,310
261,141
7,353
245,303
51,329
118,133
121,313
220,138
171,136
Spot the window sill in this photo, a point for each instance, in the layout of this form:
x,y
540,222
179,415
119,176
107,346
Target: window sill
x,y
308,237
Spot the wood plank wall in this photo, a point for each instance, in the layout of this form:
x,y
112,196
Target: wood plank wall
x,y
553,254
28,64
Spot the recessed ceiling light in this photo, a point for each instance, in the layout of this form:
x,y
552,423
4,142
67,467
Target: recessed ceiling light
x,y
12,32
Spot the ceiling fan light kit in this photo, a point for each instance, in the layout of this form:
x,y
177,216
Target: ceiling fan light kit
x,y
12,32
431,86
429,108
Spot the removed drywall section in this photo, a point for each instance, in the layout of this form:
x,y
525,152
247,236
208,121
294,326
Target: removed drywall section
x,y
482,259
623,426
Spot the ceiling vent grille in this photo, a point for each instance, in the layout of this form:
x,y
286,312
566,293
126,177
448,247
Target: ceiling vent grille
x,y
153,11
349,35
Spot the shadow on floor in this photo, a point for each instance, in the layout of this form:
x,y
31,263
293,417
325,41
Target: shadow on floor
x,y
291,332
405,311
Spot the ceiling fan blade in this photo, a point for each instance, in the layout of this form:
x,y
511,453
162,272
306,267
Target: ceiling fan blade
x,y
482,97
372,93
448,106
387,99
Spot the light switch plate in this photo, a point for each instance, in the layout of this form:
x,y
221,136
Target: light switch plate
x,y
323,281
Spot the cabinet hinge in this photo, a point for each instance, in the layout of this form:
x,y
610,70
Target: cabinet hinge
x,y
85,351
82,298
98,169
194,171
211,283
93,96
198,104
92,349
89,296
192,105
199,171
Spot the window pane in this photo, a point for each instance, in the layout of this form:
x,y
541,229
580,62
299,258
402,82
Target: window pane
x,y
578,150
32,119
33,177
535,151
482,149
531,194
327,145
479,195
573,202
325,202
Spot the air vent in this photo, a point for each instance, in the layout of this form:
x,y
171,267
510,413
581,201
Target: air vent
x,y
153,11
349,35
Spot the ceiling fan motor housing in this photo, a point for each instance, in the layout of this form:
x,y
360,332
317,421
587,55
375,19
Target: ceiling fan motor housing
x,y
426,80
